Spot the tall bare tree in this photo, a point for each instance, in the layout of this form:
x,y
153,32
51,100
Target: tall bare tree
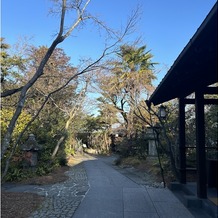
x,y
81,16
71,114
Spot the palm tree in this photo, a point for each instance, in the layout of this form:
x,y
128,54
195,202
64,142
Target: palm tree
x,y
130,81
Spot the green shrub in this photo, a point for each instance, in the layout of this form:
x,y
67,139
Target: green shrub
x,y
133,147
17,173
69,151
43,169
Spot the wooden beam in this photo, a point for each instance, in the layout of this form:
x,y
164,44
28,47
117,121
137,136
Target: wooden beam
x,y
200,146
182,147
211,101
211,90
205,101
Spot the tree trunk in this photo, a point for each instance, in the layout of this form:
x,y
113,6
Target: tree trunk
x,y
7,139
60,38
60,141
106,141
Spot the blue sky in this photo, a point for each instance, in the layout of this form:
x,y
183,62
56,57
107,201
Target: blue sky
x,y
165,26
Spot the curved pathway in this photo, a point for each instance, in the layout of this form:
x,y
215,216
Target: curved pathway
x,y
98,189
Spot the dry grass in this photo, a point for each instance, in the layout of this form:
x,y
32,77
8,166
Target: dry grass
x,y
131,161
150,166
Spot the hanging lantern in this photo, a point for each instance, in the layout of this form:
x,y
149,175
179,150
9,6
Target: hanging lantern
x,y
162,112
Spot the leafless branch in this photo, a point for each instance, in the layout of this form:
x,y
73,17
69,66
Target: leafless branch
x,y
10,92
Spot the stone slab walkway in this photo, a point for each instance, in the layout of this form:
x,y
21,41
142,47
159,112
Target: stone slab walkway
x,y
97,189
113,195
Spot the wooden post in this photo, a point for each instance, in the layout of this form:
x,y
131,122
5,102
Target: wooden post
x,y
182,149
200,145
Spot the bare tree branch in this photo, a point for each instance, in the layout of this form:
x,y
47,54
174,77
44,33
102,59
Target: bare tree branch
x,y
61,36
36,76
10,92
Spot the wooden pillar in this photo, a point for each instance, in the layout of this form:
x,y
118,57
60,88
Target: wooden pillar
x,y
182,149
200,145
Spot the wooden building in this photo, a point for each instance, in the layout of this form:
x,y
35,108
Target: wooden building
x,y
194,71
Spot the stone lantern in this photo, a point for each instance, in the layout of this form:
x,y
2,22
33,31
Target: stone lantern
x,y
31,149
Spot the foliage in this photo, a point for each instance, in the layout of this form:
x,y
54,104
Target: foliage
x,y
130,161
11,65
95,132
92,124
48,83
50,123
69,151
24,118
137,147
211,135
130,76
16,174
6,115
39,66
211,125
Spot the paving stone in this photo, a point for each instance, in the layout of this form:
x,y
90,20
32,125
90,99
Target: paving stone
x,y
62,199
109,192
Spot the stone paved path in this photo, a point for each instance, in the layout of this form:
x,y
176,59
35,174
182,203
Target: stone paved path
x,y
114,195
63,199
96,188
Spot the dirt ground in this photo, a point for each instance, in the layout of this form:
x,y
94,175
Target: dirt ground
x,y
21,205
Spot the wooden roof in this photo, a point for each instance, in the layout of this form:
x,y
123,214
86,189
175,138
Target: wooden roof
x,y
196,66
